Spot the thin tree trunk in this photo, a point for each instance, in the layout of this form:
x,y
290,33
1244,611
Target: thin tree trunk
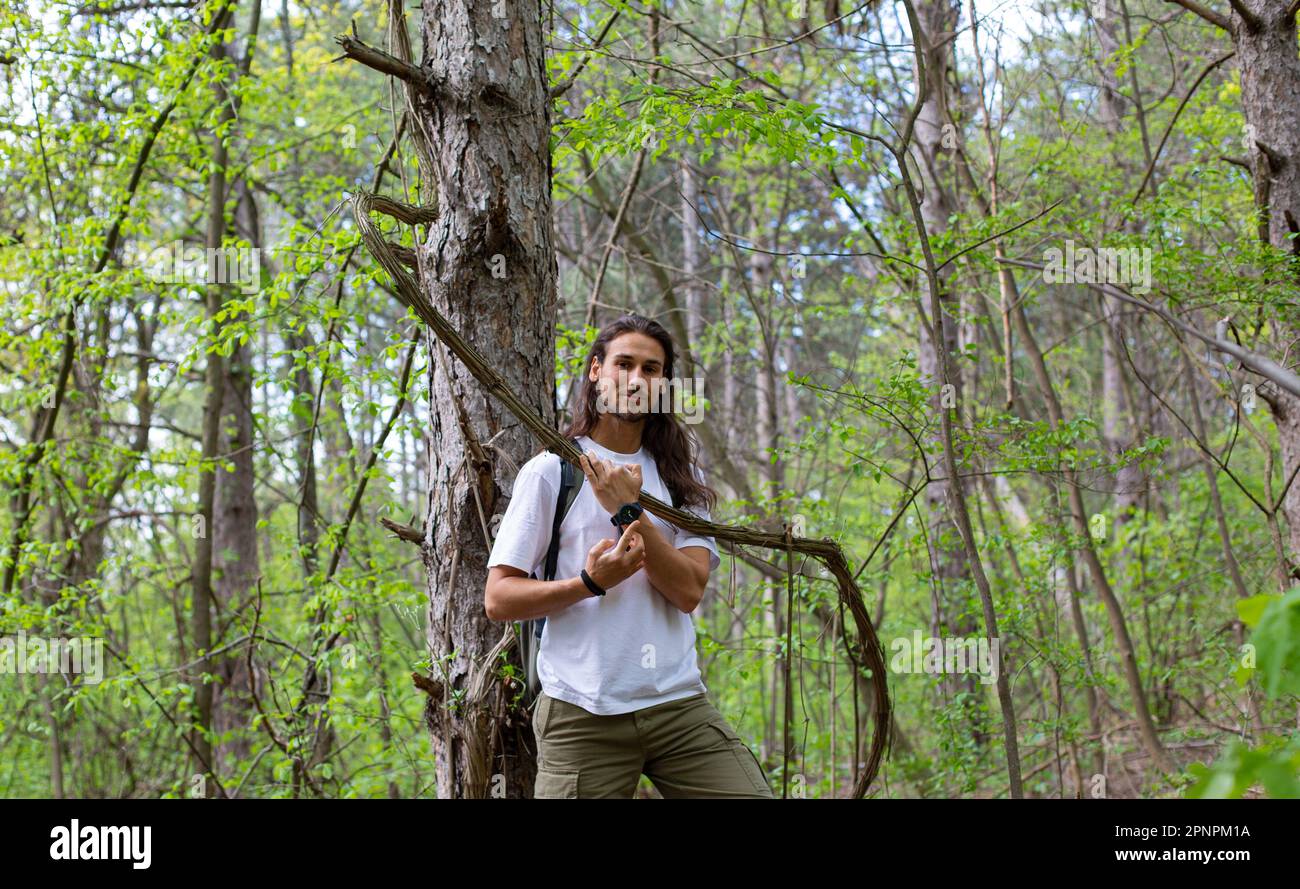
x,y
931,150
214,388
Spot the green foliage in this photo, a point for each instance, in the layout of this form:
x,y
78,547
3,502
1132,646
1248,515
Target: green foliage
x,y
1274,763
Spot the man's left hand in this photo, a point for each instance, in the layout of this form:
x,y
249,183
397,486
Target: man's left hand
x,y
613,483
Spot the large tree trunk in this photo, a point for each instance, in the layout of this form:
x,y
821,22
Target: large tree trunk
x,y
488,265
1270,71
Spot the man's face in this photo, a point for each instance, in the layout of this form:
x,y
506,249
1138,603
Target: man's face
x,y
630,376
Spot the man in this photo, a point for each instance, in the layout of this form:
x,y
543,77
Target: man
x,y
621,689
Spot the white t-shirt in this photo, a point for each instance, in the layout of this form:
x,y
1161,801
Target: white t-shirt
x,y
624,651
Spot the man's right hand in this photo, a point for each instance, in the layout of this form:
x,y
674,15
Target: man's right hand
x,y
609,563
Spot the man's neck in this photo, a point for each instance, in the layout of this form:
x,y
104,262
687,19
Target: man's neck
x,y
619,436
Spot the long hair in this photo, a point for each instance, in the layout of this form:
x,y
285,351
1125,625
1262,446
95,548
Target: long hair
x,y
674,449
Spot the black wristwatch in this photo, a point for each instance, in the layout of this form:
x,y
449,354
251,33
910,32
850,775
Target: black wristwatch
x,y
591,584
626,515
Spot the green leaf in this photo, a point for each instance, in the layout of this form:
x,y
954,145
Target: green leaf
x,y
1277,639
1250,610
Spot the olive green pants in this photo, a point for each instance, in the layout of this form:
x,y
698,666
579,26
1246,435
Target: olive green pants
x,y
685,747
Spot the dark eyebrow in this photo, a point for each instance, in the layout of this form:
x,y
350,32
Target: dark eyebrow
x,y
654,361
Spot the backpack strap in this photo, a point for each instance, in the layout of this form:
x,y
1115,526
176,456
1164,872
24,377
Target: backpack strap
x,y
571,479
530,641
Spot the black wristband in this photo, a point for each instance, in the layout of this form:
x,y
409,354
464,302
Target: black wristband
x,y
591,584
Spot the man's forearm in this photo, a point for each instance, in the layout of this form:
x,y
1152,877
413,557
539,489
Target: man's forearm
x,y
524,598
671,573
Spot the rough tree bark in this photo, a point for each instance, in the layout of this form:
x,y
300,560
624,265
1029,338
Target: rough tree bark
x,y
487,263
1263,33
1270,71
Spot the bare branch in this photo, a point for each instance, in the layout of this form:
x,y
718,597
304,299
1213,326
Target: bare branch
x,y
1275,160
384,63
1000,234
1208,14
563,87
92,9
411,214
1260,364
404,532
1248,18
431,687
1177,111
